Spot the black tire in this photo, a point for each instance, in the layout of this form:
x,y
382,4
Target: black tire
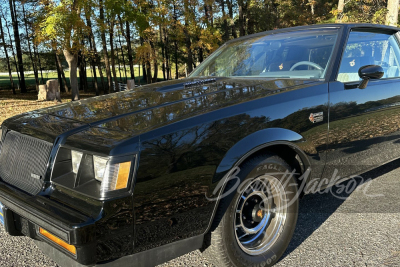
x,y
223,247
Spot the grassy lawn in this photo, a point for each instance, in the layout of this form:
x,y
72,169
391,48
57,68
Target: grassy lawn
x,y
11,105
30,78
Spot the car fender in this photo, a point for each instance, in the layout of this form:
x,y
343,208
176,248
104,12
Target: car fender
x,y
254,142
247,147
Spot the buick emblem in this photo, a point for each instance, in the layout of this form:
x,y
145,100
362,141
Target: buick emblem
x,y
35,176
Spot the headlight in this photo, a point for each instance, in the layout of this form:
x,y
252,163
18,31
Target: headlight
x,y
93,175
100,165
76,160
113,176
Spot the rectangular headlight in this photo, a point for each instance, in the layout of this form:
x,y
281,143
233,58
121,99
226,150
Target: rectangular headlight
x,y
76,160
93,175
100,165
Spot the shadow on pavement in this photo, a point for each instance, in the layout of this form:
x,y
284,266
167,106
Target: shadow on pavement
x,y
315,209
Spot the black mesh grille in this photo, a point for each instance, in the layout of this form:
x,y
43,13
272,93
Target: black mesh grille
x,y
2,136
23,161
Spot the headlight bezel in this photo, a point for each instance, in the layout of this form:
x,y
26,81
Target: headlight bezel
x,y
84,181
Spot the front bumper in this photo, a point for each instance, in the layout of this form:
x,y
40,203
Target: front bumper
x,y
25,214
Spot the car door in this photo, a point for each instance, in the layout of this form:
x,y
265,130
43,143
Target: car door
x,y
364,124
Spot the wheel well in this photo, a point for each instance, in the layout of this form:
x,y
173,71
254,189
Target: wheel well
x,y
287,153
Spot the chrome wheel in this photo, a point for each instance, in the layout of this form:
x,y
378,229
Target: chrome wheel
x,y
261,212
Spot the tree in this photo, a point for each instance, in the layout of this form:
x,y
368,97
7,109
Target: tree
x,y
6,54
62,22
18,46
340,10
104,44
393,12
33,61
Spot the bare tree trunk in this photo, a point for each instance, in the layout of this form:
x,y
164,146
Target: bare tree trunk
x,y
114,72
393,12
167,62
230,8
155,63
60,80
13,52
37,57
80,69
176,60
101,74
72,59
60,67
130,54
104,43
123,56
7,58
139,76
127,36
143,63
148,71
225,36
163,53
188,42
93,49
340,11
33,61
242,14
84,72
18,46
176,44
119,66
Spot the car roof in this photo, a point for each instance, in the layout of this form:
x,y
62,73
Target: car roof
x,y
320,26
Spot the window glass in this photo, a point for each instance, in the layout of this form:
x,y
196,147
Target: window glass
x,y
368,48
301,54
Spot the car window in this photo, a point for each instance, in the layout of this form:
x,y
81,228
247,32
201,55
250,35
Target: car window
x,y
301,54
369,48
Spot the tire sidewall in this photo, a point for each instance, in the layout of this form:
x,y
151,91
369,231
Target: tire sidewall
x,y
271,166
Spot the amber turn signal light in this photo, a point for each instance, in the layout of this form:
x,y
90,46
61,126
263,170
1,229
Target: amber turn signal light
x,y
58,241
123,175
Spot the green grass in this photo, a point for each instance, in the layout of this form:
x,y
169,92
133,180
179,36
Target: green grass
x,y
30,78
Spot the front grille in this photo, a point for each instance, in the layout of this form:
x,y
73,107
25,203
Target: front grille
x,y
2,136
23,161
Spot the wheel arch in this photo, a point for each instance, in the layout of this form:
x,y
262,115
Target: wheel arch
x,y
267,139
276,140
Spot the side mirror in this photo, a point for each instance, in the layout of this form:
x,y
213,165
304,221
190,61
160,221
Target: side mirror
x,y
369,72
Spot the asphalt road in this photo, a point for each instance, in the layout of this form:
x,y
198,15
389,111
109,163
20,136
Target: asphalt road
x,y
361,228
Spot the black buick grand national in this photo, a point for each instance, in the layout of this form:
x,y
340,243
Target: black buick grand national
x,y
214,162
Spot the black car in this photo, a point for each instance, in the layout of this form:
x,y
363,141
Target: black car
x,y
216,161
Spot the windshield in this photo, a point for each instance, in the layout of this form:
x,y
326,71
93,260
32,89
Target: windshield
x,y
302,54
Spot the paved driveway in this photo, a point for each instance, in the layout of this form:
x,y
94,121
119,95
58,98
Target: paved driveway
x,y
357,229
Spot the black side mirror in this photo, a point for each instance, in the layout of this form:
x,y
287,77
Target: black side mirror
x,y
369,72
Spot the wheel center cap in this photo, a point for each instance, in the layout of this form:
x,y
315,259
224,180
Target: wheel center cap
x,y
259,214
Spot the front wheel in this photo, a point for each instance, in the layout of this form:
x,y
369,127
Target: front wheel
x,y
255,227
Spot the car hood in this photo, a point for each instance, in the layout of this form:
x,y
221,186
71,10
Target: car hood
x,y
115,117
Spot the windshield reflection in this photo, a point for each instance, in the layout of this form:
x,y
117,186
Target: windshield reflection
x,y
301,55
